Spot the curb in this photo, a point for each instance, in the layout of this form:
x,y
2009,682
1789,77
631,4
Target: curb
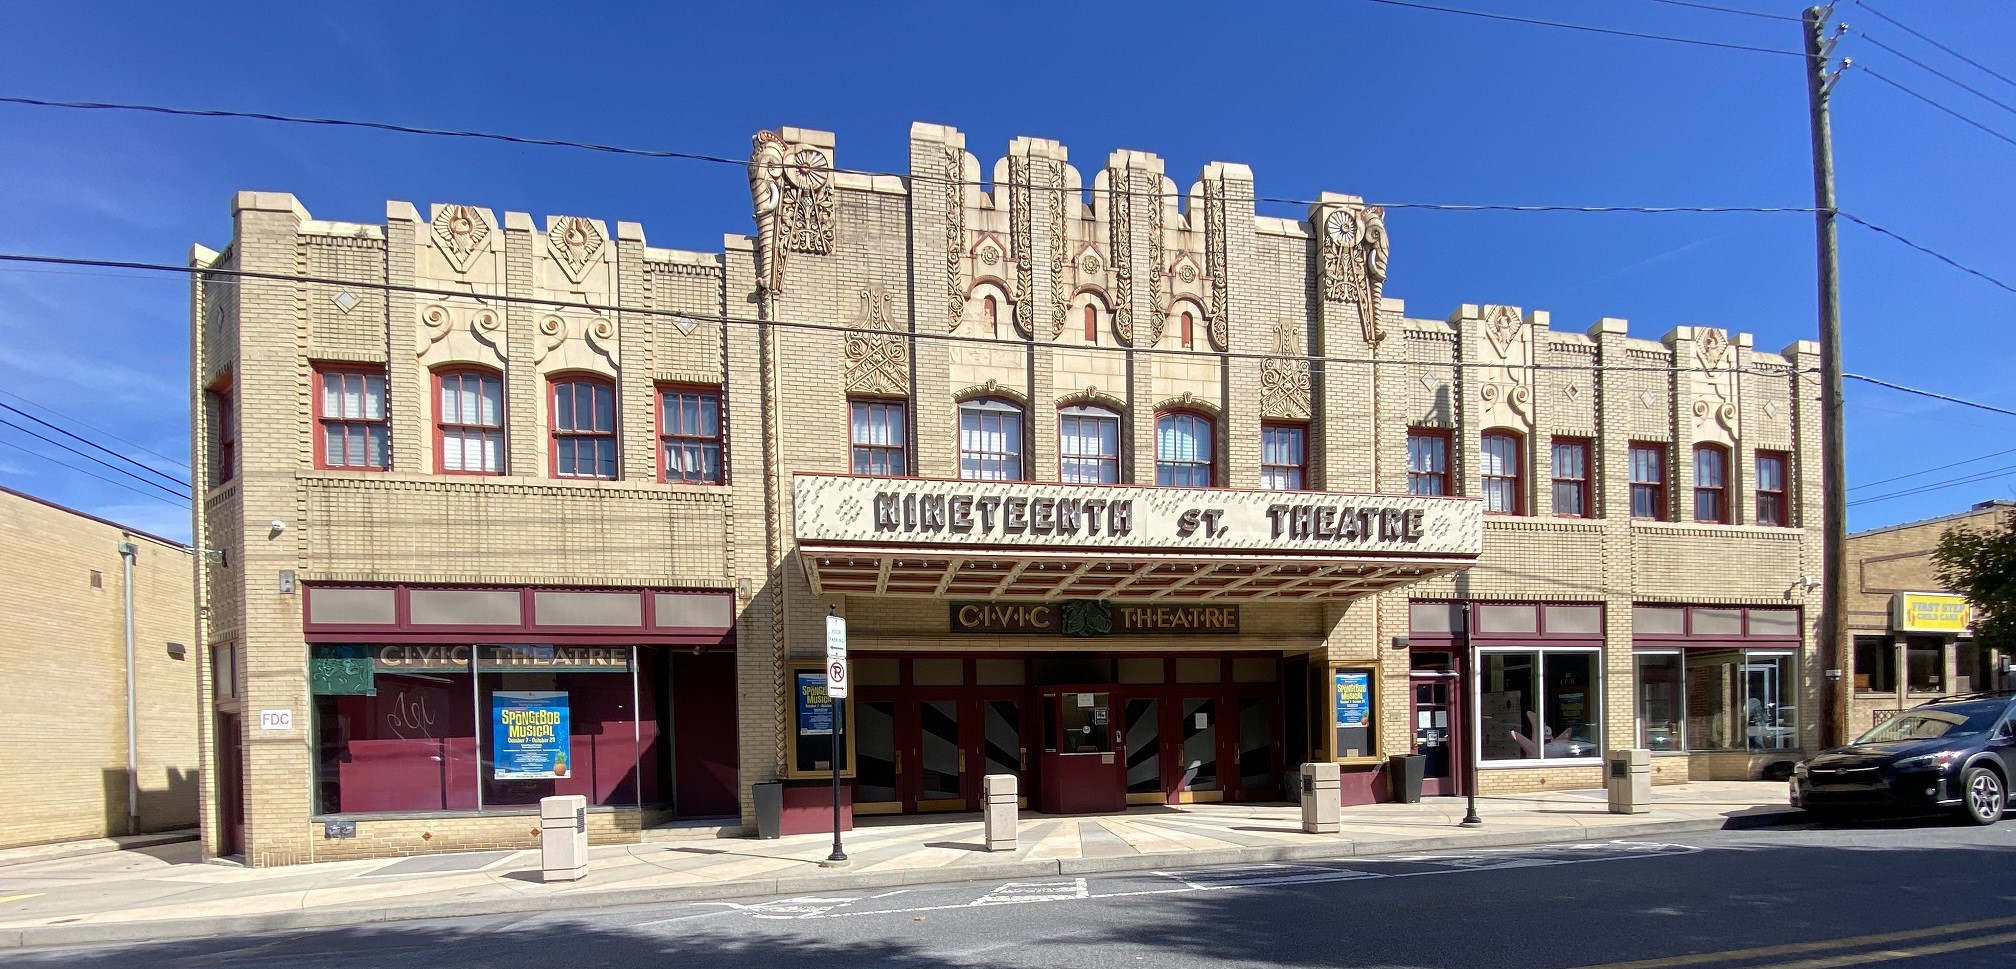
x,y
162,929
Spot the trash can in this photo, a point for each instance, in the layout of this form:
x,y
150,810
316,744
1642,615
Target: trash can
x,y
563,837
1627,778
769,808
1322,807
1405,771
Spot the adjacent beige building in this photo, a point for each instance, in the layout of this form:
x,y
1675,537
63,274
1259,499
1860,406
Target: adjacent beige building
x,y
1912,636
1116,484
81,756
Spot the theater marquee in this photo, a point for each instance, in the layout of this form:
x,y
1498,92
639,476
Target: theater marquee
x,y
977,514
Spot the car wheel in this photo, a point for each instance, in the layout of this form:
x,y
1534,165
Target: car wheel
x,y
1985,797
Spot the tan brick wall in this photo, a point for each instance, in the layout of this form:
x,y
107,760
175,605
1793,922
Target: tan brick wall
x,y
63,754
1044,240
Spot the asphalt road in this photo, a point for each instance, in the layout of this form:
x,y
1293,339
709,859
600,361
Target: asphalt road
x,y
1907,894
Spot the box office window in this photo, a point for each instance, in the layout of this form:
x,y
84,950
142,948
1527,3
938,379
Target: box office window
x,y
1540,704
1717,699
460,728
1875,665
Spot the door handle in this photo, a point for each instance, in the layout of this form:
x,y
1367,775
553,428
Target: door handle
x,y
962,762
899,762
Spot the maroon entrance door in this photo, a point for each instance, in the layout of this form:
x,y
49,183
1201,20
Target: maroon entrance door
x,y
230,785
1435,715
1082,769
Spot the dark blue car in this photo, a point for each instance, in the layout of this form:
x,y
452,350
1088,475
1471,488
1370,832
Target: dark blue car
x,y
1951,753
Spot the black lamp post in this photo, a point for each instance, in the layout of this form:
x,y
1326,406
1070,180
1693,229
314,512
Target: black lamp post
x,y
1473,738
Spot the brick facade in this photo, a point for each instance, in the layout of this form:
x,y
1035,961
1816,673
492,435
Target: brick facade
x,y
878,288
63,753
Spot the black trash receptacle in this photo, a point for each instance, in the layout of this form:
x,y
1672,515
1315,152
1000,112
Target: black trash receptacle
x,y
1405,771
770,808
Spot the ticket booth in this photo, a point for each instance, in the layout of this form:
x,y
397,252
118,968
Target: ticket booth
x,y
1082,771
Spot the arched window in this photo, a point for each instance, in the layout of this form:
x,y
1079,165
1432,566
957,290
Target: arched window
x,y
1183,451
1088,445
1091,323
990,440
1504,483
1711,483
469,423
991,312
1185,324
584,428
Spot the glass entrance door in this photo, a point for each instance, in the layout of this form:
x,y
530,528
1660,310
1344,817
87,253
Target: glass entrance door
x,y
1002,750
878,758
1433,715
1198,757
1142,729
941,758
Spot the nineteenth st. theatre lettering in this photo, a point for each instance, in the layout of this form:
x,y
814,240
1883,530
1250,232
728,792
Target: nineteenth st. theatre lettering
x,y
987,514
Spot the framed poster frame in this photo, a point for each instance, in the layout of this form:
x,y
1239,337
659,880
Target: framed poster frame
x,y
804,752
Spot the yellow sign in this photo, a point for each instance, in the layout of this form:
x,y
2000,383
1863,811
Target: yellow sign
x,y
1924,612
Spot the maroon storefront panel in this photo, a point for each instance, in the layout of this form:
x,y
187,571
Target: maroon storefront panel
x,y
703,730
385,614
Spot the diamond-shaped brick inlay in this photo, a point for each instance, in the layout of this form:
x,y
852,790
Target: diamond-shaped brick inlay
x,y
1770,408
685,325
1428,382
344,300
1573,392
1646,397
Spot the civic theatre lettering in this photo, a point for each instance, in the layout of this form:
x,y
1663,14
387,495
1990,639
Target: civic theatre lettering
x,y
502,659
1092,617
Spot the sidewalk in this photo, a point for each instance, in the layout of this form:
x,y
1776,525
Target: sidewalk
x,y
164,891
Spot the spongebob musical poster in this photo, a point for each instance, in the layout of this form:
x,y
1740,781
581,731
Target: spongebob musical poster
x,y
530,735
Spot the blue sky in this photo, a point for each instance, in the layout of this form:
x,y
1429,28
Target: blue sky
x,y
1393,104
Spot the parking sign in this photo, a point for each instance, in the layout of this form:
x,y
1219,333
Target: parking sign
x,y
836,657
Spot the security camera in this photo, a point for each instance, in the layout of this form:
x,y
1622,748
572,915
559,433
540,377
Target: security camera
x,y
1809,582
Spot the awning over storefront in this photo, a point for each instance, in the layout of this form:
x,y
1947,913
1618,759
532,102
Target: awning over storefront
x,y
1010,540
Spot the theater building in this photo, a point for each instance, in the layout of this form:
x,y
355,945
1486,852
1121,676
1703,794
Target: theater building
x,y
1120,486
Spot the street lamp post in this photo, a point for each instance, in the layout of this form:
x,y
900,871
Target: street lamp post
x,y
1472,736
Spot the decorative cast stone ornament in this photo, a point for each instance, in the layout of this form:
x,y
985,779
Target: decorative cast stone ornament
x,y
1711,345
684,324
462,321
1507,381
875,359
460,232
1284,379
575,243
345,300
1355,252
1060,297
1158,305
1215,260
792,188
955,237
1089,264
1021,243
1121,209
596,333
1714,406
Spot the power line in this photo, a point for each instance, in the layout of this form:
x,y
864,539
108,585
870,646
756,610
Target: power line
x,y
1928,393
95,445
173,462
1587,27
1872,72
838,328
1900,25
1943,467
2001,472
1746,13
89,474
1956,82
923,177
1942,257
59,444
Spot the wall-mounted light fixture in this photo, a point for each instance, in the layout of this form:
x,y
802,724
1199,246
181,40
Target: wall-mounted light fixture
x,y
1399,642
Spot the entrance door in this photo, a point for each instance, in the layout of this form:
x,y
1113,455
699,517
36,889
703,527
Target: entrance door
x,y
940,757
230,785
1198,755
1433,713
1082,772
1001,747
878,758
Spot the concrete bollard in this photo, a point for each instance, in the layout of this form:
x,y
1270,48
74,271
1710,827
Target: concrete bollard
x,y
1000,808
1322,801
1628,780
563,837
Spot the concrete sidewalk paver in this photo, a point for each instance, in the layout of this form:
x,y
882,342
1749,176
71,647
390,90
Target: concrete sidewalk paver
x,y
165,892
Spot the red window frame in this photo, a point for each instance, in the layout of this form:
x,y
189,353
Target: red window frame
x,y
442,426
1580,447
349,425
1653,485
695,438
1187,323
556,435
1511,447
1298,471
1415,478
895,415
1716,494
1091,323
224,414
991,309
1210,462
1773,508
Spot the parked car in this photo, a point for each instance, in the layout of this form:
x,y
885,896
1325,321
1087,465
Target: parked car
x,y
1950,753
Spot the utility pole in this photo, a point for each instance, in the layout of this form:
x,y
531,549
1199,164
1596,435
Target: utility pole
x,y
1833,459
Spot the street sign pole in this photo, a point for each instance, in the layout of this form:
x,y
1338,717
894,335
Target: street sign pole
x,y
836,693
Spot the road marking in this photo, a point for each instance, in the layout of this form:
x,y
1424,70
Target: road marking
x,y
1259,876
1019,892
16,898
1886,955
1794,948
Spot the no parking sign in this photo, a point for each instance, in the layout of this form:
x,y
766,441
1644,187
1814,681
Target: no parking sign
x,y
836,657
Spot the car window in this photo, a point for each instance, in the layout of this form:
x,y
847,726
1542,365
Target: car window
x,y
1932,723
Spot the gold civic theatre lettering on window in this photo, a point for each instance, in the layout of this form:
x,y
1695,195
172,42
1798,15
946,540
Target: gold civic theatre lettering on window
x,y
502,659
1093,617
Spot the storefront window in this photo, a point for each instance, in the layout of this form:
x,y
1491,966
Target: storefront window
x,y
403,728
1718,699
1924,665
1875,665
1659,707
1540,704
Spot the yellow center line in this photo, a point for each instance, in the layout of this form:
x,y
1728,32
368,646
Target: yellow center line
x,y
1885,955
15,898
1793,948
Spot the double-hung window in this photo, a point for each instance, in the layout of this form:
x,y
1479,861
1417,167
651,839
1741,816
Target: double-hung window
x,y
1648,481
1571,478
1183,450
990,440
1284,457
689,435
1771,504
1711,484
1427,461
879,437
1088,445
584,428
1504,480
351,427
469,429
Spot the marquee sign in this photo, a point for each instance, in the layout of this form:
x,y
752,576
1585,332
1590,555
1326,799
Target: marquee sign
x,y
979,514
